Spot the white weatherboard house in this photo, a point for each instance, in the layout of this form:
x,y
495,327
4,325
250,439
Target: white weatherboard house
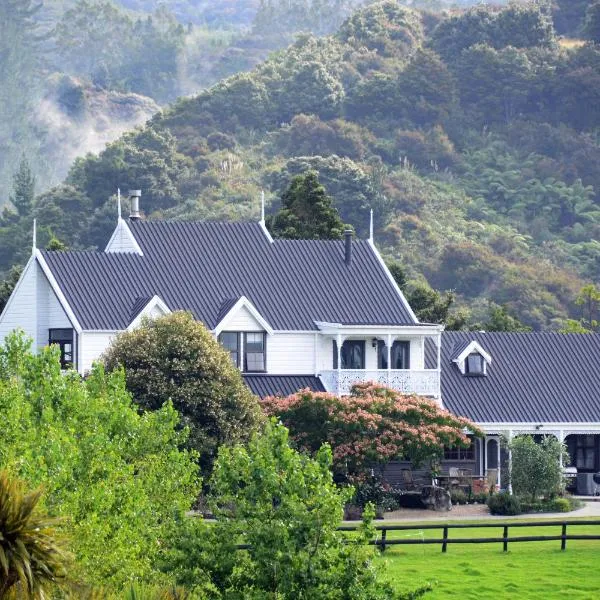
x,y
319,314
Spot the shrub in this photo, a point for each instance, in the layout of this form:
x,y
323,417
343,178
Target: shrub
x,y
458,497
504,504
560,505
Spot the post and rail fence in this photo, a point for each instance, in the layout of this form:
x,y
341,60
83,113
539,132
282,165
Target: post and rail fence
x,y
383,542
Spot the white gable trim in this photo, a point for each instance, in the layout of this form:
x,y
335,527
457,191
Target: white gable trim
x,y
263,226
56,288
122,229
243,302
392,280
155,302
473,347
18,285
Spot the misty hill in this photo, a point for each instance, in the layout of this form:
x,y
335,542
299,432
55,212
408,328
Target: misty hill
x,y
471,135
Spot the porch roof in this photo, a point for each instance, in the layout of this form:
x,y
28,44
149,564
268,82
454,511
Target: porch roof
x,y
533,378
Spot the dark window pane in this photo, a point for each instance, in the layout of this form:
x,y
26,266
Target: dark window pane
x,y
474,364
254,352
353,354
381,355
401,355
230,340
63,338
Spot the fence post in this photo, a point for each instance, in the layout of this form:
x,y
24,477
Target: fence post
x,y
505,542
445,542
563,541
383,538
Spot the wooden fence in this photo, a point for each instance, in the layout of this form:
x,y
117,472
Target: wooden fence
x,y
383,542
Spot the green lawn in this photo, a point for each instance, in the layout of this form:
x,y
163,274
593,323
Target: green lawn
x,y
528,570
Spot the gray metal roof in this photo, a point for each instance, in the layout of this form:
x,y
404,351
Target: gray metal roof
x,y
206,267
282,385
533,378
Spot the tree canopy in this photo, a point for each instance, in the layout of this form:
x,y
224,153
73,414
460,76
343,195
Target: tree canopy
x,y
176,359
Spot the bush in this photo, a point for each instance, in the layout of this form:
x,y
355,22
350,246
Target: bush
x,y
458,497
560,505
480,498
504,504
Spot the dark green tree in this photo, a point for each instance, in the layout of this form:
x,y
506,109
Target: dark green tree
x,y
8,285
176,358
307,212
591,25
23,189
501,320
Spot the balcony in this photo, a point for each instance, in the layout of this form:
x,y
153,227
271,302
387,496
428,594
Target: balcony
x,y
425,382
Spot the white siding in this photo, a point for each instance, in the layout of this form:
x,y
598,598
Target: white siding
x,y
417,358
50,313
122,240
92,346
291,354
242,321
20,311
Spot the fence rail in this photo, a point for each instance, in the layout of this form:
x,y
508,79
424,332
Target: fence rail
x,y
383,542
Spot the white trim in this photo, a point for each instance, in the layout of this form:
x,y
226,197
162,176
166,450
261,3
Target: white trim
x,y
17,286
474,346
56,288
539,427
399,330
263,226
122,226
242,302
392,280
155,302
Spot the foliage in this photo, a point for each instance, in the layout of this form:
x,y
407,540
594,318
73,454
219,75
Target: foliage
x,y
114,475
501,320
286,507
8,285
458,497
373,425
536,467
504,503
32,560
23,189
591,24
306,212
176,359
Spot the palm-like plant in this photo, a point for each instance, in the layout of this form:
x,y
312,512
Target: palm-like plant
x,y
31,559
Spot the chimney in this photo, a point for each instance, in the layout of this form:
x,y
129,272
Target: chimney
x,y
134,197
348,246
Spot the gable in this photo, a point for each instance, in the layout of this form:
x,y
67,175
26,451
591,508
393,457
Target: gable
x,y
122,240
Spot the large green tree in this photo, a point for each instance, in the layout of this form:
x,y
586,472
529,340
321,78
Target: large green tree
x,y
175,358
307,212
113,475
23,189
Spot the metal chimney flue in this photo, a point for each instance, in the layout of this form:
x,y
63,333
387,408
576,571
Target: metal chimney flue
x,y
348,246
134,198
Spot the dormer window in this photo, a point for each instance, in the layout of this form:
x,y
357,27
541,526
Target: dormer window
x,y
475,364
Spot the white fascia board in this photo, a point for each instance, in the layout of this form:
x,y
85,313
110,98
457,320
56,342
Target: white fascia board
x,y
537,427
155,302
28,266
392,280
124,228
421,330
474,346
56,288
243,302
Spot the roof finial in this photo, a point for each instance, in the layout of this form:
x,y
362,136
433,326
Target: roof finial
x,y
262,206
371,228
119,203
34,246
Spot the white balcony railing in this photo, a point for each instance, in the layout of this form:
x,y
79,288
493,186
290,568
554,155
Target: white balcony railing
x,y
424,382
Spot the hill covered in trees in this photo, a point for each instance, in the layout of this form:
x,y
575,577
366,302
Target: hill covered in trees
x,y
471,133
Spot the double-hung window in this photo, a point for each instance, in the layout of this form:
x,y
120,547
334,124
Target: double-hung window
x,y
63,338
247,349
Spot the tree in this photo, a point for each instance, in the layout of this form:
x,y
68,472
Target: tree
x,y
176,358
500,320
591,25
307,212
286,507
371,426
536,467
8,285
113,476
23,189
32,560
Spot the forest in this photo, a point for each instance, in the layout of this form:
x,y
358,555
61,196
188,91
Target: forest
x,y
470,131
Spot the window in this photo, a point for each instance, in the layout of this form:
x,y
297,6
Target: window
x,y
452,453
400,355
63,338
254,352
230,340
585,453
475,364
251,356
353,354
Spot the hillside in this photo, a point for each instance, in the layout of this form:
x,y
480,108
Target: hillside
x,y
471,134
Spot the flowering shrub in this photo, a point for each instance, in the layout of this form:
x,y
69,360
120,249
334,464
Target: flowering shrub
x,y
373,425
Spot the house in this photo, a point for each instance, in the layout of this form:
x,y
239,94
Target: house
x,y
317,314
292,313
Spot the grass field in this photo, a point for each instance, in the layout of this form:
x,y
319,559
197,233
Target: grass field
x,y
480,571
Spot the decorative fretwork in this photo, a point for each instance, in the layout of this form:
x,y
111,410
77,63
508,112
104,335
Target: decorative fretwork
x,y
422,382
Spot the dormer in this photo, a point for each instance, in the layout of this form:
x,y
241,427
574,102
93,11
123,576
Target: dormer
x,y
472,360
122,239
